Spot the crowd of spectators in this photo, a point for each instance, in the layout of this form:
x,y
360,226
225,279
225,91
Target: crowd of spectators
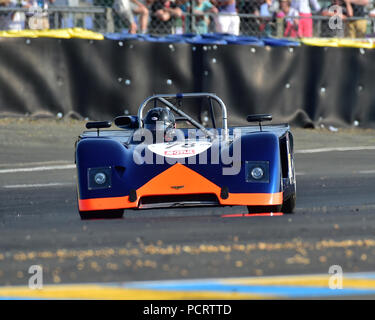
x,y
202,16
251,17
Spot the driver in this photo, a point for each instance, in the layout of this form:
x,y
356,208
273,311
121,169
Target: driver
x,y
161,122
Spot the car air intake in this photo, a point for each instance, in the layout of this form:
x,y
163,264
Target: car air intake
x,y
183,200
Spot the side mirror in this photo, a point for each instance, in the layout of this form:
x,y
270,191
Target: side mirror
x,y
127,122
259,118
98,125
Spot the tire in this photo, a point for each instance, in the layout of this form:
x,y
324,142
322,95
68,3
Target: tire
x,y
102,214
289,204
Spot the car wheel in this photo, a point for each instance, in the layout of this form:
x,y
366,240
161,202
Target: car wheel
x,y
102,214
289,204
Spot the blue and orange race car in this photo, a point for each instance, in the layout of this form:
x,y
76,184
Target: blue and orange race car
x,y
165,158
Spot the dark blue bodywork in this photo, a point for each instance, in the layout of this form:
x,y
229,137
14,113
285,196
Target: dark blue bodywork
x,y
239,150
111,148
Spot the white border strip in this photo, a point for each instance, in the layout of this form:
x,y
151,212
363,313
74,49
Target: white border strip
x,y
35,164
335,149
37,185
366,171
44,168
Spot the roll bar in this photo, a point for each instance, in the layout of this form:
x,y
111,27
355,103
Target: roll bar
x,y
162,98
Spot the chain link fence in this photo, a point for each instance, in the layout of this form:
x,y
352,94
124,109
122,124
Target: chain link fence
x,y
100,16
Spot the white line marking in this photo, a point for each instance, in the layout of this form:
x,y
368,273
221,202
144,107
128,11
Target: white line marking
x,y
336,149
37,185
44,168
366,171
34,164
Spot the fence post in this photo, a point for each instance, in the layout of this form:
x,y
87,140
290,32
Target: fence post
x,y
192,17
318,28
279,27
109,18
56,20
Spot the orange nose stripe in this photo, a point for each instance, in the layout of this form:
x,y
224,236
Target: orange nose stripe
x,y
180,180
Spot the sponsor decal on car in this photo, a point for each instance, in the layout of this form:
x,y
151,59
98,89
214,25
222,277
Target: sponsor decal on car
x,y
179,152
178,149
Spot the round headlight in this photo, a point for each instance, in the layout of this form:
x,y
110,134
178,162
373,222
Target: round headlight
x,y
100,178
257,173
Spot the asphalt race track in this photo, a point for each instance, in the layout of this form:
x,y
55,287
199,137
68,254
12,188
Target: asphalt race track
x,y
334,223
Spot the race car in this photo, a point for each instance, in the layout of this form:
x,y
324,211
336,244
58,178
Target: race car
x,y
164,158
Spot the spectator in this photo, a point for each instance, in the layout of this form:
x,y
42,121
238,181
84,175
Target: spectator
x,y
268,9
227,21
250,6
201,21
358,28
163,16
249,25
6,18
126,8
60,19
141,10
305,25
345,11
37,16
290,16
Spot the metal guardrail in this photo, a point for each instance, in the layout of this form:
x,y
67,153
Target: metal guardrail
x,y
105,19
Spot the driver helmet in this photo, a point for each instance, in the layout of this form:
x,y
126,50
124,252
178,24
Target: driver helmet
x,y
159,119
